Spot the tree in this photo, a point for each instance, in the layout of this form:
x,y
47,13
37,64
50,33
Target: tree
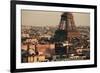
x,y
60,36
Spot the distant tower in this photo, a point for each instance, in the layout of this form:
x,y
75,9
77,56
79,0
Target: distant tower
x,y
67,28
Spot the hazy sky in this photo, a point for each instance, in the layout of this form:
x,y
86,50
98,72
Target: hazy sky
x,y
44,18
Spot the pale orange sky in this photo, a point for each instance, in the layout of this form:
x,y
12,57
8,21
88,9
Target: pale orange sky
x,y
46,18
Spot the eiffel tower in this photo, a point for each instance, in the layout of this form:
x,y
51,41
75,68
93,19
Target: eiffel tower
x,y
67,29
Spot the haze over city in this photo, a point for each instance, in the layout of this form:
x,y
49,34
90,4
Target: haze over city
x,y
47,18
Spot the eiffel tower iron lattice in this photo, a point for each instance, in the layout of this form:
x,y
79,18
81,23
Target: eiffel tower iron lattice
x,y
67,29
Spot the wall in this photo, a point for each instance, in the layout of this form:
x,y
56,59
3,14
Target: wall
x,y
5,36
